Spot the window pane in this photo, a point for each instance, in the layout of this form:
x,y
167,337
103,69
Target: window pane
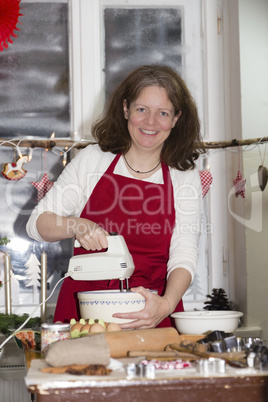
x,y
34,74
134,37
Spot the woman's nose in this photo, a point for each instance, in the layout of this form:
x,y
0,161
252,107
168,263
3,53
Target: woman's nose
x,y
150,118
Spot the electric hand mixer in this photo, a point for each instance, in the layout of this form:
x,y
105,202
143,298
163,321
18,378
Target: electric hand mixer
x,y
115,263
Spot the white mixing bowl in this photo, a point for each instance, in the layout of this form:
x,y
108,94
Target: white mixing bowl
x,y
104,303
200,322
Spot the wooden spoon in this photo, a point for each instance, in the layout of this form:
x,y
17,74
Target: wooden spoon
x,y
231,361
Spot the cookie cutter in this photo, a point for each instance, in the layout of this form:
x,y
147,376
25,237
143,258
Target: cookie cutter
x,y
140,370
210,366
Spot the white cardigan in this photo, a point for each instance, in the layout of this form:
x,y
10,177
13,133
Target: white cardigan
x,y
74,186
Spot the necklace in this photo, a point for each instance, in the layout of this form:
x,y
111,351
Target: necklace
x,y
137,171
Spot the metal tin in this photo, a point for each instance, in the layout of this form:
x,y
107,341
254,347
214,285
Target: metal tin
x,y
204,366
218,346
51,333
131,371
251,359
210,366
240,344
140,370
150,371
219,366
231,343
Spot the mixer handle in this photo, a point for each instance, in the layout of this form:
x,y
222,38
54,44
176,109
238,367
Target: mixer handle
x,y
77,244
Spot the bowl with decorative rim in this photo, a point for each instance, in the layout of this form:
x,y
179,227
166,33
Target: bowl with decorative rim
x,y
201,322
103,304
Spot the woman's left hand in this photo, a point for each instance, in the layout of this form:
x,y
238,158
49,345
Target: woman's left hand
x,y
155,310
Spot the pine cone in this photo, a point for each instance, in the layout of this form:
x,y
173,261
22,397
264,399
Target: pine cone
x,y
218,300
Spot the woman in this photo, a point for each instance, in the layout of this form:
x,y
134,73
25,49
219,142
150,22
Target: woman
x,y
140,181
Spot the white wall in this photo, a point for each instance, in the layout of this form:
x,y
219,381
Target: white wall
x,y
253,29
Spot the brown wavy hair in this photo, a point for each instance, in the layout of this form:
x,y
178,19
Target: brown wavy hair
x,y
183,145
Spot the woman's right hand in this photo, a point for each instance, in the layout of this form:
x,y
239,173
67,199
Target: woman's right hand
x,y
90,235
53,227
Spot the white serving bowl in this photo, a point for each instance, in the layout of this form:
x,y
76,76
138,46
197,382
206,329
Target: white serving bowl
x,y
104,303
200,322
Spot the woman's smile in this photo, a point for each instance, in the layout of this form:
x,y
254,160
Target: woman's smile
x,y
147,132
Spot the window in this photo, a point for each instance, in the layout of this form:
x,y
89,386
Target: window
x,y
34,80
35,101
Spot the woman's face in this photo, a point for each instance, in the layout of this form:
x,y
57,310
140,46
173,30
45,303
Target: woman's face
x,y
150,118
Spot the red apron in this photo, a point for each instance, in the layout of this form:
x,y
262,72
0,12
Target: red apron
x,y
143,213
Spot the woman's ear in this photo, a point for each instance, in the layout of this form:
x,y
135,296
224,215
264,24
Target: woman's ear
x,y
176,118
125,109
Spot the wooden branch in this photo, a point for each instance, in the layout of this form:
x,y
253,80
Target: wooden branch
x,y
234,143
50,143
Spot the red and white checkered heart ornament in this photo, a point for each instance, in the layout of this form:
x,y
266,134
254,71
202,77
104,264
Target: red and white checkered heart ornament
x,y
206,181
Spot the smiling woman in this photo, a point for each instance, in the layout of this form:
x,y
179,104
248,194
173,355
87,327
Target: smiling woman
x,y
142,124
130,34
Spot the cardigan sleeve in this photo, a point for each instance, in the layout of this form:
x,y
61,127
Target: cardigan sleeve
x,y
70,192
185,236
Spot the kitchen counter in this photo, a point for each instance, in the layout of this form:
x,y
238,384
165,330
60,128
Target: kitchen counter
x,y
235,385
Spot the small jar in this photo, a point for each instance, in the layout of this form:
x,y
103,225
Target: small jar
x,y
51,333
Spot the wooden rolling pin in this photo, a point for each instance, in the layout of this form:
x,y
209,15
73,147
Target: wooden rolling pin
x,y
155,339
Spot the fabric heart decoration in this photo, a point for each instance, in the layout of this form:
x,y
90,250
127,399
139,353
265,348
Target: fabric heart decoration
x,y
206,181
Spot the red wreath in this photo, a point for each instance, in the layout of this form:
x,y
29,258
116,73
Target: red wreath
x,y
9,17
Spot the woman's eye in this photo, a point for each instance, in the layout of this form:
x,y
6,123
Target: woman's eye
x,y
163,113
141,109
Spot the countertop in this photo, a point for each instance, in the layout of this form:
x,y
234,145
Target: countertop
x,y
247,384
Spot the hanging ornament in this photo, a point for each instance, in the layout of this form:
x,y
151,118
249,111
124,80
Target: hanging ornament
x,y
9,15
42,186
239,182
206,181
15,171
262,177
45,184
262,170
